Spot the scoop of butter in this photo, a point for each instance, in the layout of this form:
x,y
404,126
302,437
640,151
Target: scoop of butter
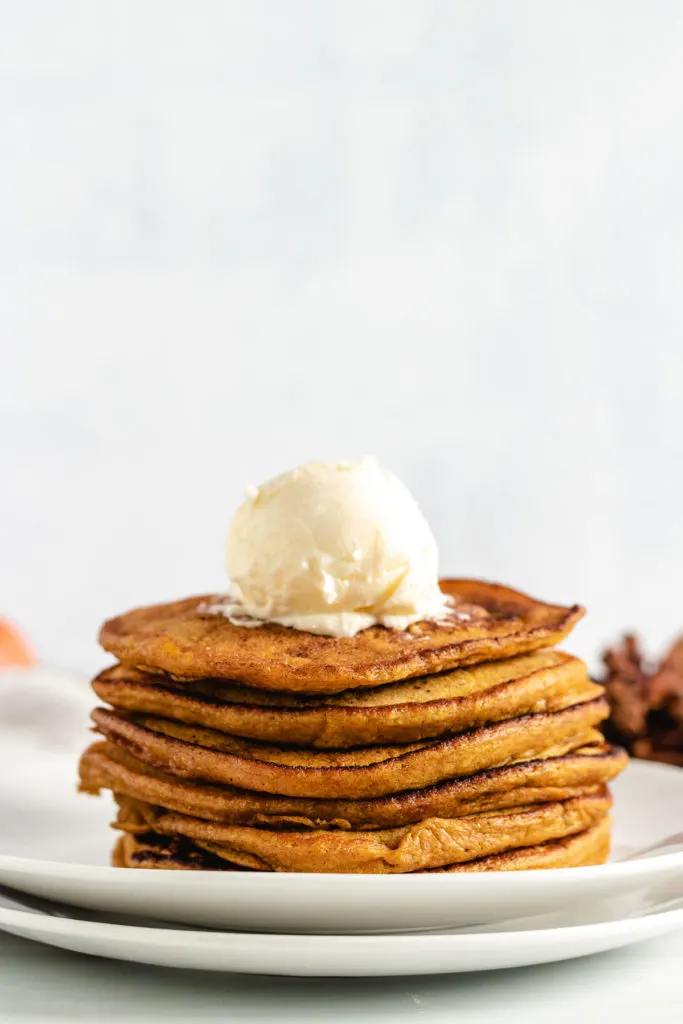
x,y
333,548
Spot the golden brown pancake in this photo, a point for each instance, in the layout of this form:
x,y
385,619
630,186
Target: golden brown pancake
x,y
414,709
178,639
585,771
119,856
196,753
580,850
432,843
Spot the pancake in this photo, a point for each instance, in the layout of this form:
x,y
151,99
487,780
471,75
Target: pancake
x,y
434,842
179,639
580,850
119,855
196,753
585,771
415,709
168,852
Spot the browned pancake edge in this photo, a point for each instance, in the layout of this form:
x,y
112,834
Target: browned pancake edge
x,y
179,639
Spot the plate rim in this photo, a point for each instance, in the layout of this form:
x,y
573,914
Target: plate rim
x,y
273,940
200,879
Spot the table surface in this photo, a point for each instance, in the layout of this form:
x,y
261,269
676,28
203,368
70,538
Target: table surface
x,y
643,982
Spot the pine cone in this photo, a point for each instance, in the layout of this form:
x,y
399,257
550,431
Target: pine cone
x,y
646,701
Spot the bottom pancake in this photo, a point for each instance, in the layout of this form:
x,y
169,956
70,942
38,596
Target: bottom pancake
x,y
583,849
432,843
580,850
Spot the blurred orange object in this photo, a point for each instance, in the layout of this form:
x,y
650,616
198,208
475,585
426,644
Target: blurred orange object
x,y
14,649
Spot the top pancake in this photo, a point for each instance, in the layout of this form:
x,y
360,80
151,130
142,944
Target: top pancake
x,y
179,640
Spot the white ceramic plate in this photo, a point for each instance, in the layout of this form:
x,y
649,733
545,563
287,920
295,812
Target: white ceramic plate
x,y
648,811
520,944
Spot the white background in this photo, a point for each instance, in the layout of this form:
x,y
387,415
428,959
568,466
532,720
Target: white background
x,y
238,235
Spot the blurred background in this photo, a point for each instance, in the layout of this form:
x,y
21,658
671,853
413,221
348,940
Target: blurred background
x,y
239,234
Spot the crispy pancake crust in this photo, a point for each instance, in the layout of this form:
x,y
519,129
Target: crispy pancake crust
x,y
176,638
195,753
585,771
394,713
432,843
580,850
168,852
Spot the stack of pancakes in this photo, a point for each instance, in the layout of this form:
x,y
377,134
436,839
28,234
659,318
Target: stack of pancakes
x,y
463,745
